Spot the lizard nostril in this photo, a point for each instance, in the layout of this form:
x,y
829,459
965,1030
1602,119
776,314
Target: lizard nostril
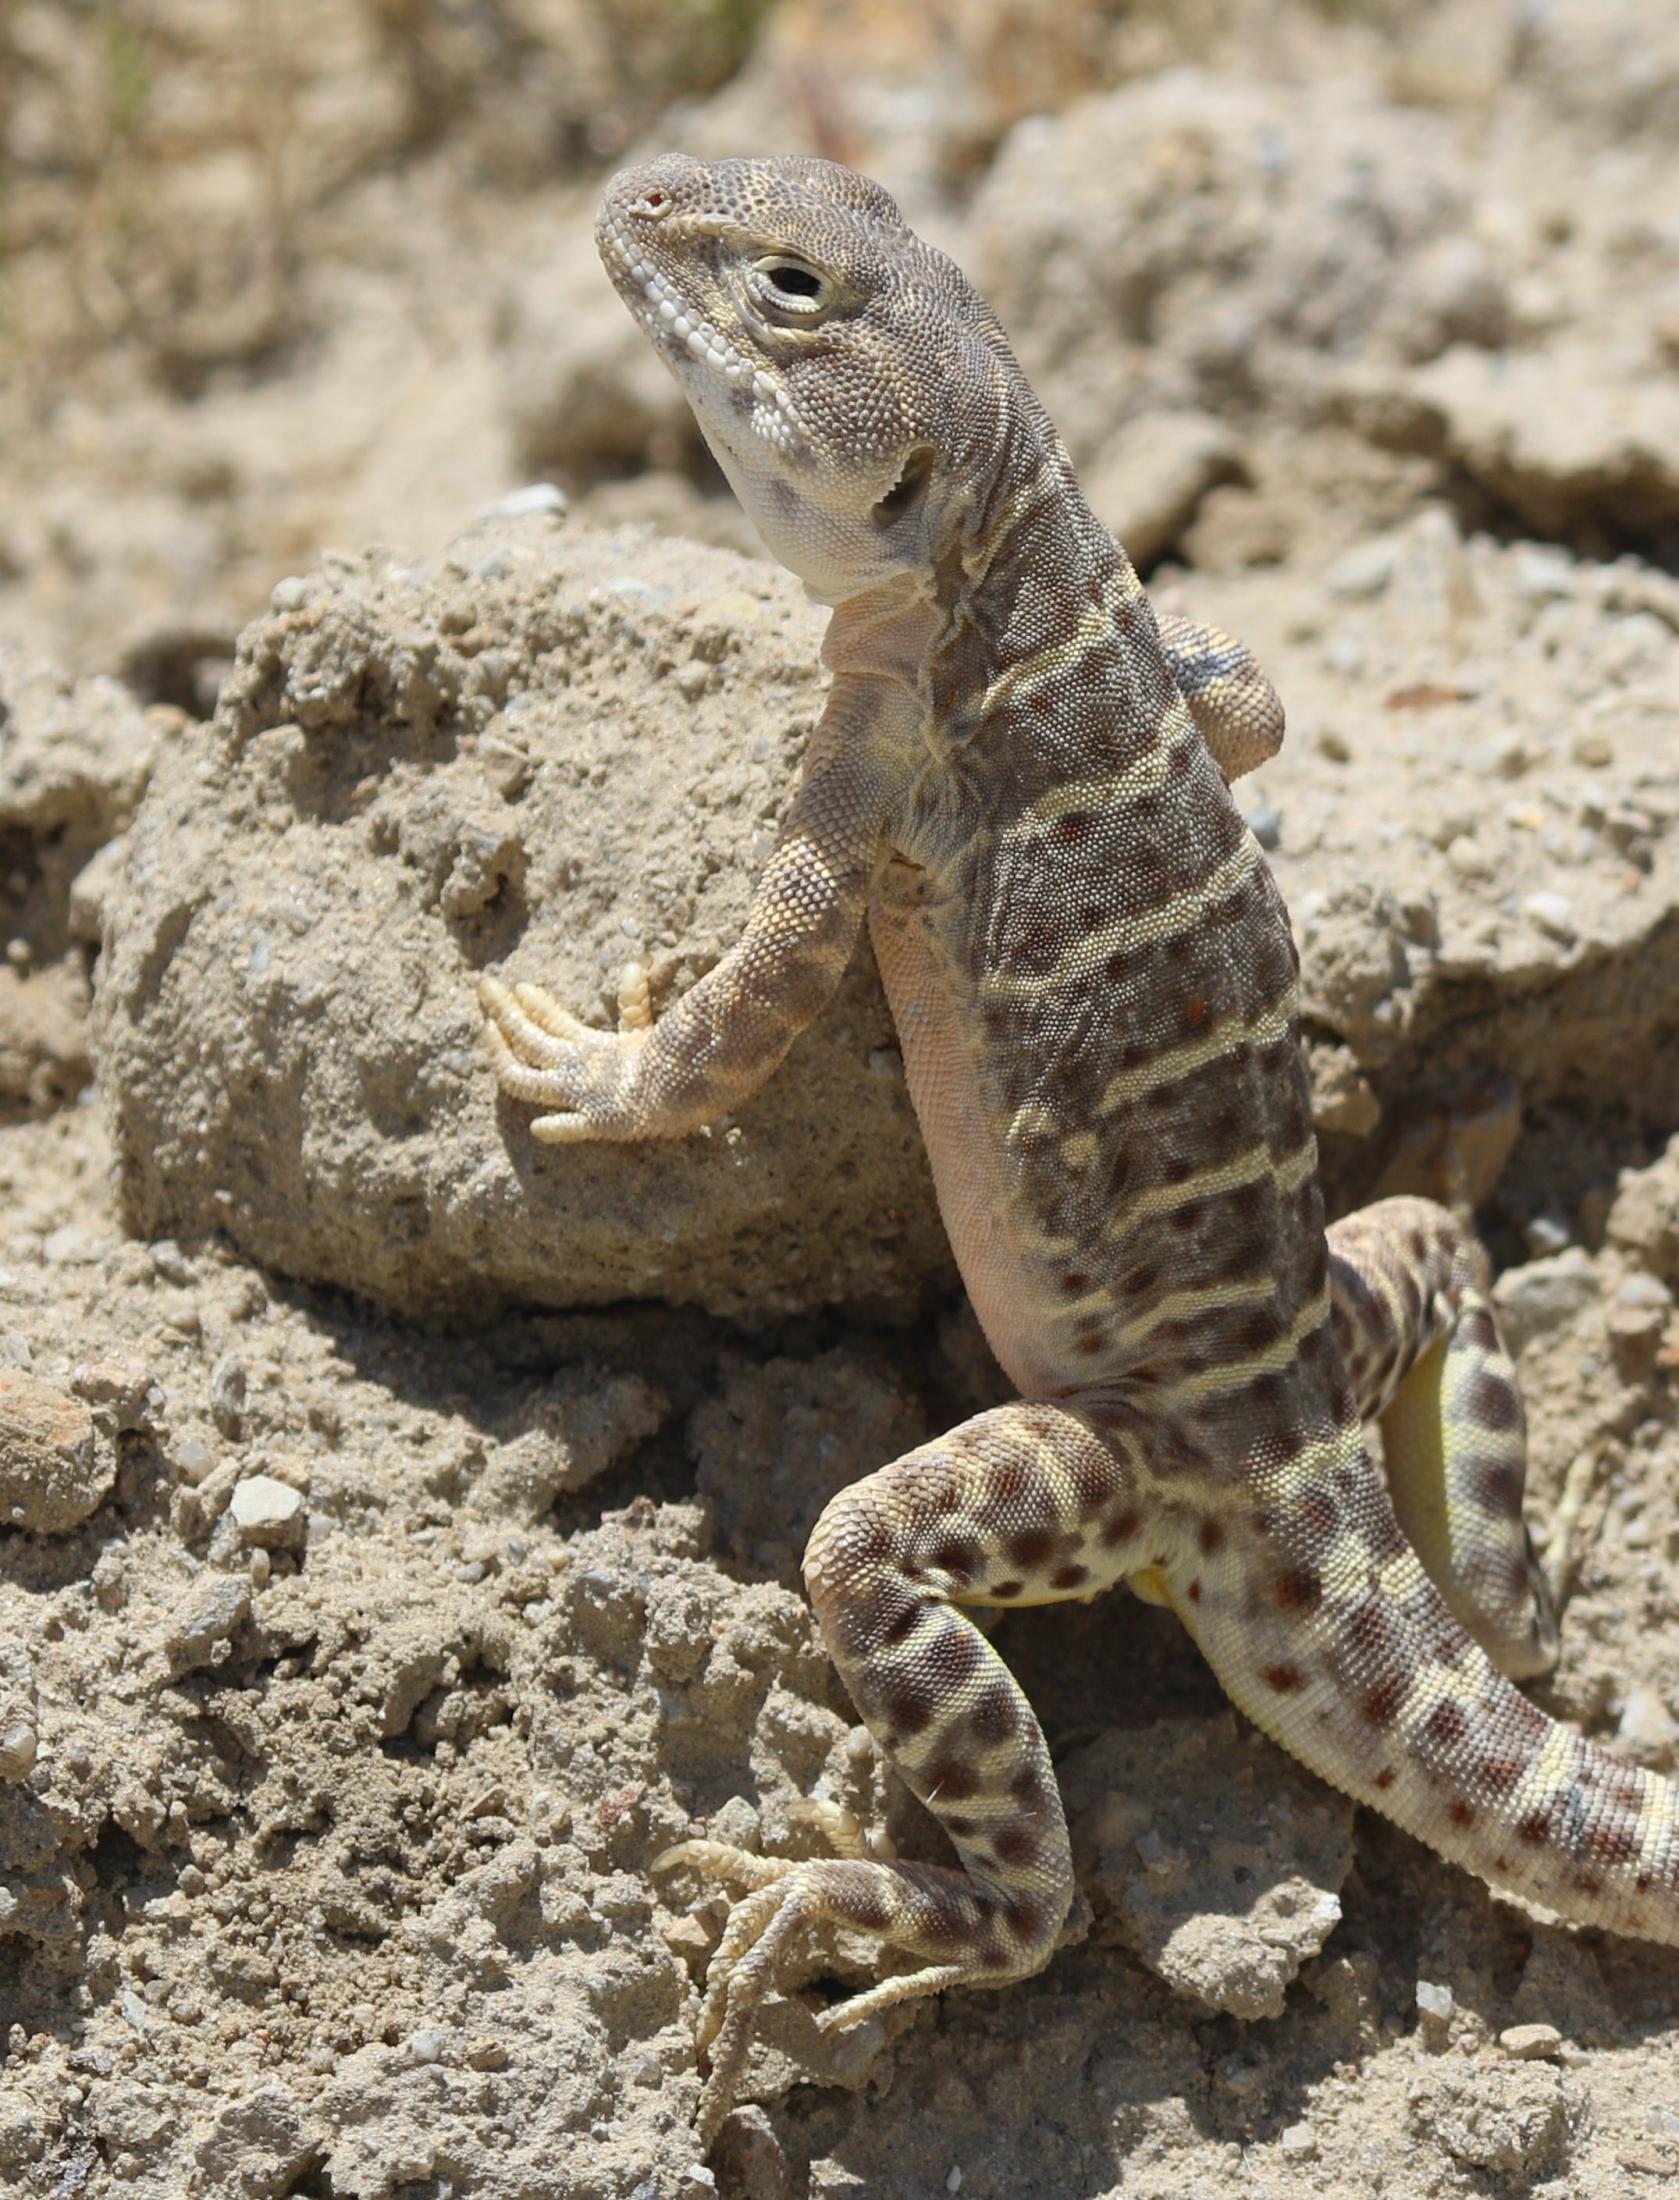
x,y
653,205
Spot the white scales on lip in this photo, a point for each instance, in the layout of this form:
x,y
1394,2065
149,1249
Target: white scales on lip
x,y
1020,782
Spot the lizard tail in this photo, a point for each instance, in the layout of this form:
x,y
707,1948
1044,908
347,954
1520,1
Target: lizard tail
x,y
1342,1649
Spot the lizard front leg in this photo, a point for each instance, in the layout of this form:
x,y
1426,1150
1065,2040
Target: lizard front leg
x,y
1237,711
718,1043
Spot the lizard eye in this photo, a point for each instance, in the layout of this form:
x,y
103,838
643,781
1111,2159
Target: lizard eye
x,y
789,287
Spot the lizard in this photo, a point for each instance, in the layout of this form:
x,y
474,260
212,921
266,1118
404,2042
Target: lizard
x,y
1020,780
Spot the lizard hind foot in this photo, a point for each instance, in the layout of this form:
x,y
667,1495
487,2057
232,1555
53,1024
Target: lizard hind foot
x,y
964,1936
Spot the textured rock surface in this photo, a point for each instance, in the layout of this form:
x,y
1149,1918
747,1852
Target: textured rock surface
x,y
555,751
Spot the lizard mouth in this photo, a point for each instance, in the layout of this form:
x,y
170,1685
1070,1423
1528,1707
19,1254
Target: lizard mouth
x,y
684,338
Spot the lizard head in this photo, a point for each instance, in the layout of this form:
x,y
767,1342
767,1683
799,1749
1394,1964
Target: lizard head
x,y
848,378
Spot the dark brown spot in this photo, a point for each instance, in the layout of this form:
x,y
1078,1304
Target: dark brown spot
x,y
1300,1589
950,1781
1284,1678
1258,1331
1319,1511
958,1556
993,1717
1498,1486
1446,1723
1461,1814
1032,1549
1008,1484
1178,757
959,1829
906,1712
1385,1778
1493,1401
1074,1284
1613,1843
1534,1828
1121,1528
1211,1536
866,1907
1027,1789
1016,1846
900,1626
1074,824
1587,1884
1139,1281
954,1656
1193,1592
1007,1588
1381,1703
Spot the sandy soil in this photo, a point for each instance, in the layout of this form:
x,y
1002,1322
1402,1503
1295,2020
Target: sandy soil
x,y
404,1523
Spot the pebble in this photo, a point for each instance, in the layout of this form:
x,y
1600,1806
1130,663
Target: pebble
x,y
211,1612
193,1459
265,1510
1300,2143
1468,858
1647,1726
19,1740
1435,2002
1593,746
533,501
52,1475
1364,571
1553,913
1545,1234
1530,2042
228,1385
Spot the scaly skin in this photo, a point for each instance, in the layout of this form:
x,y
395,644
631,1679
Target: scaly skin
x,y
1022,782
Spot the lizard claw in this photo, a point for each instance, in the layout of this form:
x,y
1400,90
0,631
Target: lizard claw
x,y
543,1054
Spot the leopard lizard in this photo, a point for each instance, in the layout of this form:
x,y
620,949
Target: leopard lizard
x,y
1021,778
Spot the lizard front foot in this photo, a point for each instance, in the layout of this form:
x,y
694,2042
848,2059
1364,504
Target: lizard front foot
x,y
544,1055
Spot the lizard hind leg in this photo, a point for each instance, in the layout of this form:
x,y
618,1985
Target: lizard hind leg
x,y
1027,1504
1421,1343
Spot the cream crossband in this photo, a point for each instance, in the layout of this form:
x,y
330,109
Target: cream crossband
x,y
1020,783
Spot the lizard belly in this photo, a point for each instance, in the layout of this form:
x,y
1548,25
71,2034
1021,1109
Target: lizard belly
x,y
991,1239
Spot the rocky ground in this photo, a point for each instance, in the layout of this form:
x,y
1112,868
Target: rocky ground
x,y
403,1519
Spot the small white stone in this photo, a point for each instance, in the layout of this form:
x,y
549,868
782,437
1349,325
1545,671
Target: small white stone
x,y
535,500
953,2182
18,1744
261,1506
1434,2001
1545,1234
1300,2142
1553,913
1647,1725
